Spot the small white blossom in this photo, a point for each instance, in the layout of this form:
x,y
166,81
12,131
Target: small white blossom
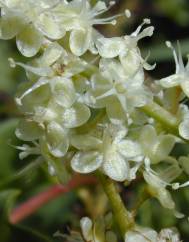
x,y
96,231
126,48
31,22
79,17
112,154
117,90
55,68
149,235
180,78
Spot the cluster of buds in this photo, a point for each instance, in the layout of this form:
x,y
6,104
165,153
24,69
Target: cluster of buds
x,y
84,98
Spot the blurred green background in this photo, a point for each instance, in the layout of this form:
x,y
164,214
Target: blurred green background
x,y
171,21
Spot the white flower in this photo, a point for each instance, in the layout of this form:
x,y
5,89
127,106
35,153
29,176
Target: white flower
x,y
180,78
96,231
141,234
126,48
79,18
51,124
55,68
112,154
169,234
30,22
149,235
117,90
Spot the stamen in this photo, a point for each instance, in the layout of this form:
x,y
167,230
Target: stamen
x,y
26,150
107,94
177,185
137,31
40,71
180,59
109,20
169,45
38,84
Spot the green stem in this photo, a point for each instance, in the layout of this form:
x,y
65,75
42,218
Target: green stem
x,y
168,120
122,217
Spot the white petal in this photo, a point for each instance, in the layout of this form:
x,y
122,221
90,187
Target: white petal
x,y
170,234
10,25
28,131
86,227
63,91
172,171
129,148
115,166
112,69
115,112
141,235
110,48
153,180
164,197
184,129
171,81
57,140
29,41
76,115
85,142
86,162
164,147
52,54
138,97
80,41
132,236
131,61
148,137
49,27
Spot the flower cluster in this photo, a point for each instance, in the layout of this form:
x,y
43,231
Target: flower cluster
x,y
88,110
84,98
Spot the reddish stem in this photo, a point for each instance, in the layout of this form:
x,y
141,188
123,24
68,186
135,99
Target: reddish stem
x,y
29,207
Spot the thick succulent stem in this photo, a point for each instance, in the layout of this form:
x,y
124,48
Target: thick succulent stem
x,y
122,217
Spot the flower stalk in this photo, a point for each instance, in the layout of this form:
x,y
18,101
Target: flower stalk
x,y
122,216
168,120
